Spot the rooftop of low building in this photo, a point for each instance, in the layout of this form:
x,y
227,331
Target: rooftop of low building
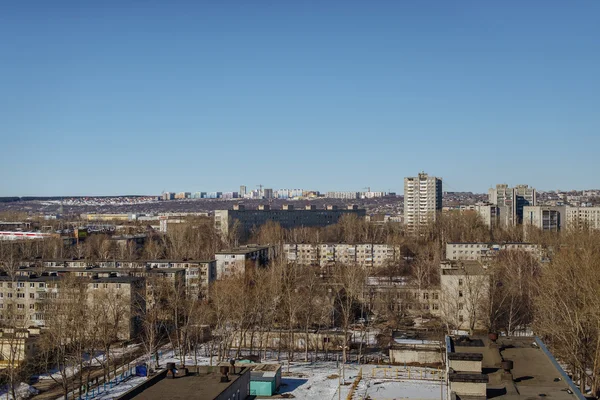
x,y
243,249
206,384
535,372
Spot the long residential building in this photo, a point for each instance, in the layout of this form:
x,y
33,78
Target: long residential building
x,y
25,296
244,220
422,201
481,251
323,254
583,217
198,274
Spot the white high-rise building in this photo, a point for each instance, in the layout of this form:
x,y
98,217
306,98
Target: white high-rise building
x,y
422,200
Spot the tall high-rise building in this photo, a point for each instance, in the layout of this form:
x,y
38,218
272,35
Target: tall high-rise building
x,y
243,191
268,193
422,200
510,202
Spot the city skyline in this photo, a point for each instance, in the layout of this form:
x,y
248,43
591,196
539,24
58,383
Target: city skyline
x,y
114,98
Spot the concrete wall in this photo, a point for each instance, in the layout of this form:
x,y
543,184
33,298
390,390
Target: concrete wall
x,y
466,366
468,388
416,356
239,389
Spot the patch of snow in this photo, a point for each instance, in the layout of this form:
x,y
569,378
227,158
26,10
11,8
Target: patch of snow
x,y
22,391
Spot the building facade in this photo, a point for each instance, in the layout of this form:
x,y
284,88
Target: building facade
x,y
324,254
237,260
510,202
25,297
481,251
546,218
422,201
244,220
582,217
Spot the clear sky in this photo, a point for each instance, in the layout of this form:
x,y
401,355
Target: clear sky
x,y
136,97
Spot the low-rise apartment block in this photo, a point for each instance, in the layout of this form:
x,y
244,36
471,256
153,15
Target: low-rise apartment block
x,y
583,217
481,251
464,287
237,260
323,254
22,297
199,274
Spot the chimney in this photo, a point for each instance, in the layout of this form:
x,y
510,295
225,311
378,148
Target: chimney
x,y
224,374
507,365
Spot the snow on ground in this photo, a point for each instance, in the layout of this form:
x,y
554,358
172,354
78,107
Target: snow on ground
x,y
56,374
22,391
320,380
379,389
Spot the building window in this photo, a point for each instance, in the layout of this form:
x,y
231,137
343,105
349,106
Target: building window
x,y
21,284
31,284
460,318
95,286
460,282
460,306
460,293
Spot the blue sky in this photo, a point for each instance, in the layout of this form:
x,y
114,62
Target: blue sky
x,y
112,97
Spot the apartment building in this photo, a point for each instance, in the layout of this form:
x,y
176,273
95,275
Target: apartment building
x,y
510,202
343,195
464,287
489,213
18,345
422,201
582,217
25,296
237,260
482,251
288,217
546,218
398,296
323,254
198,274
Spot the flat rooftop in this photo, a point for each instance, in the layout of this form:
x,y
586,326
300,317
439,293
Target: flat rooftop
x,y
535,372
206,385
242,250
